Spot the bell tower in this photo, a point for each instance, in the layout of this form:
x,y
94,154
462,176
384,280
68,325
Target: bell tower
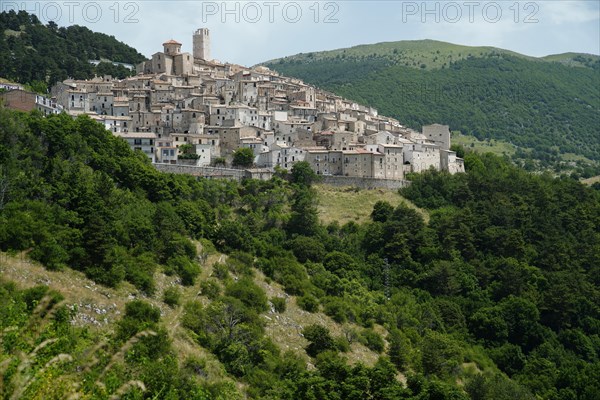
x,y
202,44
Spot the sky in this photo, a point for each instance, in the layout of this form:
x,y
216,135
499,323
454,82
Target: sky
x,y
250,32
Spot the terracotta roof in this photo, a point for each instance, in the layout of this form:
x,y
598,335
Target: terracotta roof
x,y
171,42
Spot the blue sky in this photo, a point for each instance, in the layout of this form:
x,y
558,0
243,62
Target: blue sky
x,y
248,32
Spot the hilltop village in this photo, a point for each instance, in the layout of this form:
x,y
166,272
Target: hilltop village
x,y
188,109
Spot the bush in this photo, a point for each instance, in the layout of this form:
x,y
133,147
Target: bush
x,y
342,344
249,293
185,268
278,304
210,288
320,339
308,303
372,340
221,271
171,296
307,249
338,309
243,157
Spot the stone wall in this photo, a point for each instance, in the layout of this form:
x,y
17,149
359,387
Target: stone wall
x,y
215,172
363,183
239,174
205,172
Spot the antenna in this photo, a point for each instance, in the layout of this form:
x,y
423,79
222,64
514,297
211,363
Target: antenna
x,y
386,278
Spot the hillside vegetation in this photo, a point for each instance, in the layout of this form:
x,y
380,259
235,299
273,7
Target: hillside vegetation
x,y
346,204
420,54
543,107
31,52
494,297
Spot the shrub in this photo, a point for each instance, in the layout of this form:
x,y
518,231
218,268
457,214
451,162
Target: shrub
x,y
278,304
171,296
320,339
221,271
249,293
307,249
372,340
185,268
342,344
338,309
210,288
308,303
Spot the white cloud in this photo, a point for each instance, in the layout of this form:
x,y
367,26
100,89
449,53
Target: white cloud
x,y
561,25
569,12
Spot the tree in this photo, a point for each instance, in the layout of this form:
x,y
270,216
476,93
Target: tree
x,y
440,355
320,339
381,211
243,157
304,219
302,174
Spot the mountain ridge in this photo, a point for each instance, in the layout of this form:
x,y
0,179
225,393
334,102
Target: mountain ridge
x,y
422,46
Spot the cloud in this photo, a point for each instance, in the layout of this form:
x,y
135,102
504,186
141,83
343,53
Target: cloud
x,y
569,12
278,31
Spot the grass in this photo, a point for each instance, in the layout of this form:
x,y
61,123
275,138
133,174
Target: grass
x,y
501,148
345,204
429,54
572,59
283,328
10,32
592,180
497,147
575,157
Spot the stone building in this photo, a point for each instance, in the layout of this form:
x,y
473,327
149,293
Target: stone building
x,y
23,100
212,108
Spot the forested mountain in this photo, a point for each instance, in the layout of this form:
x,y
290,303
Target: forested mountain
x,y
495,297
544,106
31,51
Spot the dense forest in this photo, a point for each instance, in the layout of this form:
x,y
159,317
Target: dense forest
x,y
494,297
31,52
547,107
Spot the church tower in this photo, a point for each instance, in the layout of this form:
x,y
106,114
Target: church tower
x,y
202,44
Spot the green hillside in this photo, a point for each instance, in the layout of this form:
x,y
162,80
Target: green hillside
x,y
32,52
575,59
424,54
544,107
166,286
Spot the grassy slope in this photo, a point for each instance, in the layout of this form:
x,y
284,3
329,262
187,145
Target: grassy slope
x,y
432,53
592,180
413,53
99,307
345,204
573,59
